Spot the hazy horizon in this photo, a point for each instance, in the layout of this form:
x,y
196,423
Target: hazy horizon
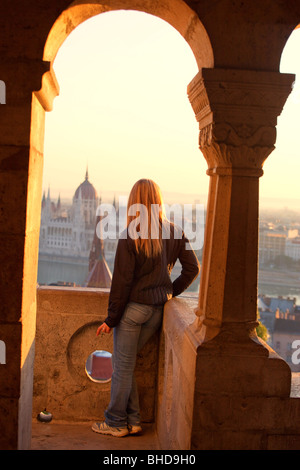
x,y
273,204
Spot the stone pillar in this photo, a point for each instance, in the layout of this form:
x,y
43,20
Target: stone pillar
x,y
21,165
237,113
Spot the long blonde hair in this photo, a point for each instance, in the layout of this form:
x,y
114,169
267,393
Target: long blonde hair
x,y
146,199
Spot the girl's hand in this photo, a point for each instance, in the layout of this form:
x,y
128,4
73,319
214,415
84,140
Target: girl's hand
x,y
104,328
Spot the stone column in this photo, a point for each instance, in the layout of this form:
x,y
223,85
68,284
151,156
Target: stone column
x,y
237,113
21,166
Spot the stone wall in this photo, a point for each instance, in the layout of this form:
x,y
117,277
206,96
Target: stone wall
x,y
189,407
67,321
204,401
176,383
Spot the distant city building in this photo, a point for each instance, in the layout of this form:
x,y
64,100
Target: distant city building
x,y
285,333
281,317
278,241
271,245
70,250
67,237
69,232
292,248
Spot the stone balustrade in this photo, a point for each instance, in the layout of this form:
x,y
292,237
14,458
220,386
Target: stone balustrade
x,y
67,321
171,392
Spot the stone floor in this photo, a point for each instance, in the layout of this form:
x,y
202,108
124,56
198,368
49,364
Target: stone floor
x,y
61,436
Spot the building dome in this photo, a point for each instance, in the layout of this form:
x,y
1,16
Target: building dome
x,y
87,190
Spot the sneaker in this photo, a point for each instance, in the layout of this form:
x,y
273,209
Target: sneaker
x,y
103,428
134,428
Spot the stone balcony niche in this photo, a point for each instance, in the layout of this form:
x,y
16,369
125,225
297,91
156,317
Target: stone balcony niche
x,y
218,387
67,321
175,394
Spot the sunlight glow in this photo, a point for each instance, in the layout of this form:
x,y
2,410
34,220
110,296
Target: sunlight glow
x,y
123,110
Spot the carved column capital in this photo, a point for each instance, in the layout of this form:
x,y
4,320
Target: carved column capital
x,y
237,112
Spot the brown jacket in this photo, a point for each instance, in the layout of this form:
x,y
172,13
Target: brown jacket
x,y
137,278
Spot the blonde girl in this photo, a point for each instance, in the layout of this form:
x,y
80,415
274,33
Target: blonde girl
x,y
146,254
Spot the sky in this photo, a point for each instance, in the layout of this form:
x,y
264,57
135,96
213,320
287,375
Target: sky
x,y
123,113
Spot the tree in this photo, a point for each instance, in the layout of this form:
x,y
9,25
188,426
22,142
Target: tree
x,y
261,330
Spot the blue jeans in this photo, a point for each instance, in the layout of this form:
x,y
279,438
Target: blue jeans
x,y
138,323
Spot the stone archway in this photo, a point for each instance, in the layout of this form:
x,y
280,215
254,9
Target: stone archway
x,y
234,105
178,15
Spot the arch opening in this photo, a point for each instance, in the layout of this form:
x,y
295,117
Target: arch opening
x,y
184,21
279,231
175,12
134,103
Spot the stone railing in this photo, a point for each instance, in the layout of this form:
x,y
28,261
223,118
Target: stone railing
x,y
176,373
172,393
67,321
